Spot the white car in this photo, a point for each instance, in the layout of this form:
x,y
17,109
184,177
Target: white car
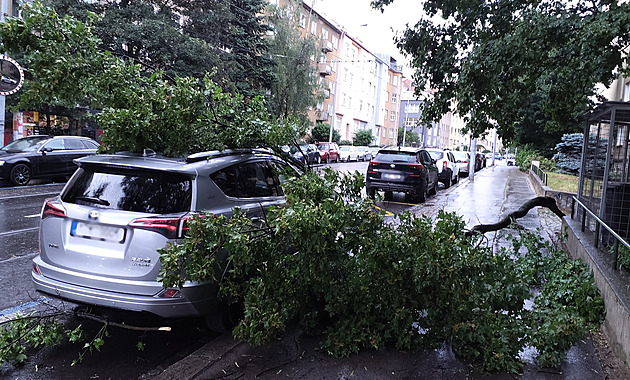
x,y
365,154
348,153
448,168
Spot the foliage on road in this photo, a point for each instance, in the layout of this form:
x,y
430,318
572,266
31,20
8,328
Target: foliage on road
x,y
516,65
331,263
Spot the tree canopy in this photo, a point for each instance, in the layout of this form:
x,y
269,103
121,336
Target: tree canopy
x,y
517,64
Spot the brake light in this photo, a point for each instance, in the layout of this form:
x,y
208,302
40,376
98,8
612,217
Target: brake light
x,y
444,165
416,166
171,227
54,208
170,293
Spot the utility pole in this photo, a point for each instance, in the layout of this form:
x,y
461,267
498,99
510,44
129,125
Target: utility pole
x,y
333,117
473,159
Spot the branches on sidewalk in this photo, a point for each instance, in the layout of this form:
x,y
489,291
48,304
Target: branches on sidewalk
x,y
547,202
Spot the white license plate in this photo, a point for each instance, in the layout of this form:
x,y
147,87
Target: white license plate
x,y
97,232
392,176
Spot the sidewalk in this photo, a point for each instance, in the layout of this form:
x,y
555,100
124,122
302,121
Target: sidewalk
x,y
495,192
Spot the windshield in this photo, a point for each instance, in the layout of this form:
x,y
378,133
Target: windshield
x,y
25,145
389,156
460,155
323,147
436,155
344,148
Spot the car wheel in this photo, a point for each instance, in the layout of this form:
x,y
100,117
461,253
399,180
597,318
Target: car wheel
x,y
447,182
225,318
433,190
421,194
370,192
20,175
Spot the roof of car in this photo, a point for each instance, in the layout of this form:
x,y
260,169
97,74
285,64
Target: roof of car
x,y
191,164
401,149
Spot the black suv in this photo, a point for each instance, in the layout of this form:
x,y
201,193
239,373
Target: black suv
x,y
408,170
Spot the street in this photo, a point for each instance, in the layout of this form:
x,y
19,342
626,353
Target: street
x,y
19,218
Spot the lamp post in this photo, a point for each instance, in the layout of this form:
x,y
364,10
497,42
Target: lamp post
x,y
333,117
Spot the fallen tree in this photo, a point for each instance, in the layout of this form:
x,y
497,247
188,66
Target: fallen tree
x,y
332,264
508,220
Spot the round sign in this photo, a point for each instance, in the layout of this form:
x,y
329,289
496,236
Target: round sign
x,y
11,76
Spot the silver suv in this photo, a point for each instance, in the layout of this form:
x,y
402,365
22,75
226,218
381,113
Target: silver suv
x,y
99,237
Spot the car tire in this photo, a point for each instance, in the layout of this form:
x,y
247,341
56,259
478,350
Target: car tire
x,y
225,318
447,182
433,190
371,193
421,195
20,175
389,195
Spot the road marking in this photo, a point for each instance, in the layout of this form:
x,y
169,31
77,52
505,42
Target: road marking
x,y
32,216
29,195
8,314
387,213
18,231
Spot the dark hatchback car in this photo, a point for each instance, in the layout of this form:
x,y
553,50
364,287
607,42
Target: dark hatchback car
x,y
408,170
43,157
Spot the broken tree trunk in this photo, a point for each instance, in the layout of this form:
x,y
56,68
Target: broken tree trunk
x,y
548,202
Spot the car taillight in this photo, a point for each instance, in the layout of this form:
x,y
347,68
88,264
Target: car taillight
x,y
171,227
415,166
444,165
54,208
170,293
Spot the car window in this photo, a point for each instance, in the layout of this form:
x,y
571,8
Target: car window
x,y
146,191
56,144
26,144
436,154
89,144
323,147
73,144
395,156
249,180
426,157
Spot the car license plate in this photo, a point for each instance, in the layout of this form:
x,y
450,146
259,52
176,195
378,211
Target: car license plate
x,y
97,232
392,176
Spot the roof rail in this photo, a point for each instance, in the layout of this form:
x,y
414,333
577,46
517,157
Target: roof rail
x,y
201,156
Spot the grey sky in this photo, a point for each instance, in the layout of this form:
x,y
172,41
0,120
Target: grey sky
x,y
377,35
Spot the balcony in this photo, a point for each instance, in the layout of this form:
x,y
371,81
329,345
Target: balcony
x,y
326,93
327,46
324,69
322,116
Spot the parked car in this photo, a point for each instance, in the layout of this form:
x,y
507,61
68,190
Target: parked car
x,y
408,170
307,153
462,159
365,153
480,161
374,150
42,156
348,153
99,238
328,152
448,169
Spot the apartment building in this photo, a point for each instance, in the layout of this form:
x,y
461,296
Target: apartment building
x,y
362,89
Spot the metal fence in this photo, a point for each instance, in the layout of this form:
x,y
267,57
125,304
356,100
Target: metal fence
x,y
540,173
603,197
586,214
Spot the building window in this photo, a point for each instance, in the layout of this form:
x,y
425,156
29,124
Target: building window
x,y
395,80
324,34
335,42
391,133
343,99
626,92
392,116
394,98
313,27
302,20
331,87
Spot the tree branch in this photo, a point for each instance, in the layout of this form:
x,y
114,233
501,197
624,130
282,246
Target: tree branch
x,y
548,202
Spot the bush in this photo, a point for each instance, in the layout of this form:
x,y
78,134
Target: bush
x,y
364,283
525,155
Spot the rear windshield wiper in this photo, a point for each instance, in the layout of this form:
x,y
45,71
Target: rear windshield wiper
x,y
98,201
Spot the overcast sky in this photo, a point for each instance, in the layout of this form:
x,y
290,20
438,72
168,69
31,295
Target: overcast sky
x,y
377,35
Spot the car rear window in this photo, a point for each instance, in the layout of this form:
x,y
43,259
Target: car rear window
x,y
147,191
395,156
436,155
